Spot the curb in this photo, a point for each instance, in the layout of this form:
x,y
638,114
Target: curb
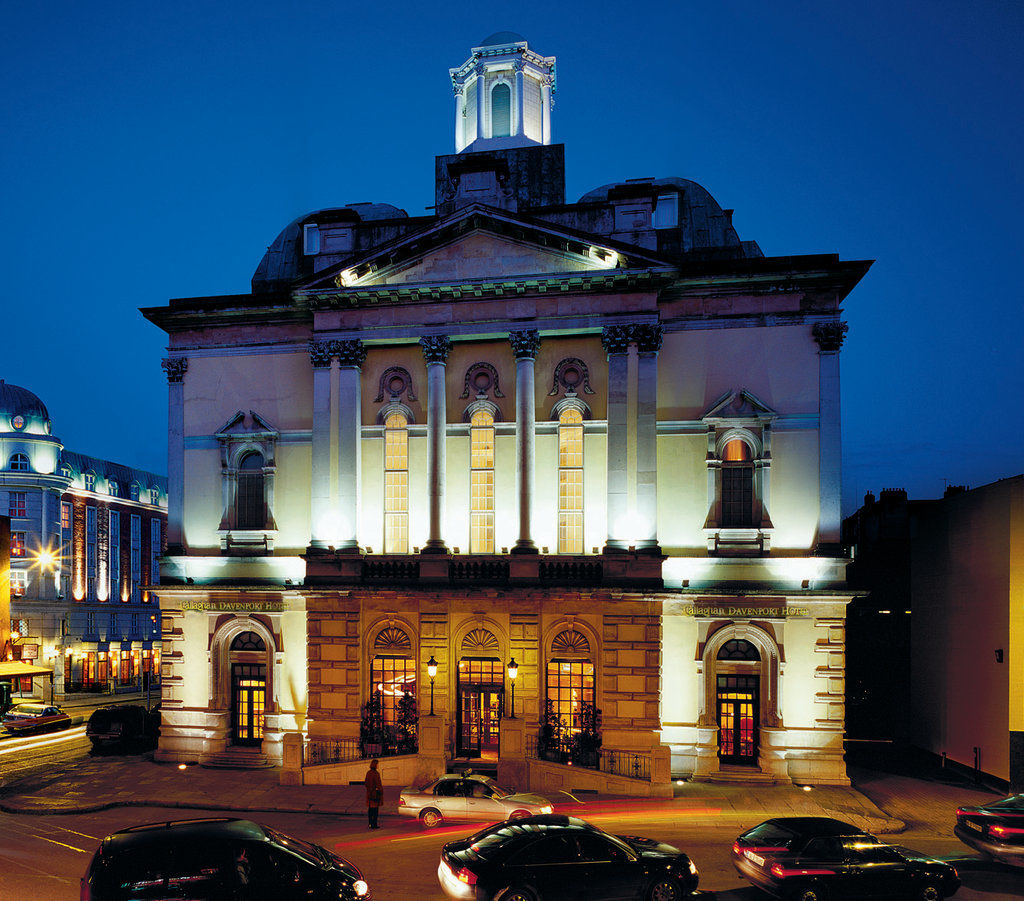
x,y
174,805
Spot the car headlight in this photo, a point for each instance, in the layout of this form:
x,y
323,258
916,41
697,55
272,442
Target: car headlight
x,y
693,868
548,809
360,888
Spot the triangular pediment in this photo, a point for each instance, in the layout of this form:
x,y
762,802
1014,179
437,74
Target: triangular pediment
x,y
237,426
735,407
478,244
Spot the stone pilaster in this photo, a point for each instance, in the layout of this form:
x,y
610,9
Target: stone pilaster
x,y
648,342
616,340
351,355
525,345
175,367
829,336
435,351
320,353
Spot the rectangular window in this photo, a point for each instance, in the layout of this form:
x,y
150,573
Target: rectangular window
x,y
115,556
65,517
570,684
155,550
90,622
17,504
396,485
112,633
136,557
154,496
90,551
481,515
666,212
570,511
737,497
90,481
136,621
310,239
17,544
393,677
19,583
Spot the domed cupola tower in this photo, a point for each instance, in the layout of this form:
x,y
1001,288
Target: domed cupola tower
x,y
26,444
503,95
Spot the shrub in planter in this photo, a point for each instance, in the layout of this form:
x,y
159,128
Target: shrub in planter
x,y
587,742
371,727
552,729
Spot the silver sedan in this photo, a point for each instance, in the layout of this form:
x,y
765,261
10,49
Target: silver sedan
x,y
468,797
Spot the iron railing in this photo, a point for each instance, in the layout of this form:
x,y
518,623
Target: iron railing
x,y
615,762
342,750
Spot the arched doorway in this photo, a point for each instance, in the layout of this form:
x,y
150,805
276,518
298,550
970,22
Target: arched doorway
x,y
738,702
248,689
480,696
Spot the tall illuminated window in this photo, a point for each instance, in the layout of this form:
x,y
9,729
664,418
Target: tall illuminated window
x,y
570,482
396,484
737,485
250,506
481,525
501,111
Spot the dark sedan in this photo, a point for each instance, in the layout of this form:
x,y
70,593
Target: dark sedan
x,y
548,857
812,858
31,719
996,829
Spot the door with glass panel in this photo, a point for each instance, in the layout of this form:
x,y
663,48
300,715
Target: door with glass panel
x,y
481,692
249,693
738,719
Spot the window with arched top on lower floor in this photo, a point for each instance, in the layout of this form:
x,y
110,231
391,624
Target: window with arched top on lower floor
x,y
396,484
570,481
481,524
570,680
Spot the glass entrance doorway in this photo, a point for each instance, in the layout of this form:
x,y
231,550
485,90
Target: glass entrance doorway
x,y
248,697
738,720
480,704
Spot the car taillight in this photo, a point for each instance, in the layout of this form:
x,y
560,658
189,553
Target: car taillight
x,y
467,876
998,829
781,872
86,894
735,847
960,812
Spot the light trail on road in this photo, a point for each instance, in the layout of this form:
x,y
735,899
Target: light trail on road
x,y
23,743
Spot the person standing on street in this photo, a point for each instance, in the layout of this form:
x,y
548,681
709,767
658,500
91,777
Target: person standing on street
x,y
374,793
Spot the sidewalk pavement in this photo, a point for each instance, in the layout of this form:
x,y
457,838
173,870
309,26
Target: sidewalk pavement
x,y
883,803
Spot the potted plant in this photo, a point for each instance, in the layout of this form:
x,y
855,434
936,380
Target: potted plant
x,y
406,717
586,742
552,727
371,726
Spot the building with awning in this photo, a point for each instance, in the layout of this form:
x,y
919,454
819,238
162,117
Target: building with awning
x,y
15,669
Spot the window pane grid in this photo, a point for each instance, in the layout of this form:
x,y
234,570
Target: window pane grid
x,y
570,482
393,677
570,684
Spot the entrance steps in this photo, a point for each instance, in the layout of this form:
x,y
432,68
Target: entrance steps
x,y
237,758
742,774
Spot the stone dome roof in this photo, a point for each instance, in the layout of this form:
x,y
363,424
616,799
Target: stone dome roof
x,y
502,37
22,411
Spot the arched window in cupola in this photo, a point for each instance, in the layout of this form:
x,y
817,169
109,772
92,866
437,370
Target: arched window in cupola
x,y
19,463
501,111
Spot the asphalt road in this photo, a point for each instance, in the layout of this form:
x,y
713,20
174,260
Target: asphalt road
x,y
42,857
21,756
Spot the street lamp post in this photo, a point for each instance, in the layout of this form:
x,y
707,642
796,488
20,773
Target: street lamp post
x,y
513,671
431,671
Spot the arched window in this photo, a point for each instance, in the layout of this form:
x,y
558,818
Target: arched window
x,y
570,678
738,649
737,485
396,484
135,491
19,463
570,481
481,525
250,508
113,489
501,111
248,641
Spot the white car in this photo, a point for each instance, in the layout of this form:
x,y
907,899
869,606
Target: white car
x,y
468,797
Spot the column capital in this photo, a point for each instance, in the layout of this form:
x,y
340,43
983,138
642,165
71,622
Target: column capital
x,y
616,338
350,353
830,335
436,348
648,338
320,353
525,343
175,367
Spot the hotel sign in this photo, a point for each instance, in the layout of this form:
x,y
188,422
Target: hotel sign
x,y
738,612
234,606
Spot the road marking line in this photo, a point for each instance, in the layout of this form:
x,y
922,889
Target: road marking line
x,y
55,842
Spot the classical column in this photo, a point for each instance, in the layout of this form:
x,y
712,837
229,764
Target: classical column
x,y
460,115
648,342
517,67
545,90
829,336
481,103
525,345
320,353
615,339
175,367
351,355
435,352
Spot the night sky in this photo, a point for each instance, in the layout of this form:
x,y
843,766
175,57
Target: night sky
x,y
152,151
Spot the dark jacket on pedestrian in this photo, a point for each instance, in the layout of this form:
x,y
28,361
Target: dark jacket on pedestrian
x,y
374,786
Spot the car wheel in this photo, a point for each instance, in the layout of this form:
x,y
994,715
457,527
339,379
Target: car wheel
x,y
518,814
664,890
810,893
517,894
431,817
929,891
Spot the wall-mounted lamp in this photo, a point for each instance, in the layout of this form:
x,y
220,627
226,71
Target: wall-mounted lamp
x,y
513,671
431,671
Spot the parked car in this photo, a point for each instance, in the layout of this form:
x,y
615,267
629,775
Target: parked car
x,y
995,829
216,859
561,858
124,725
467,797
31,719
812,858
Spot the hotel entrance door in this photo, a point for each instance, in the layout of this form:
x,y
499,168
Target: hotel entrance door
x,y
480,705
248,697
737,720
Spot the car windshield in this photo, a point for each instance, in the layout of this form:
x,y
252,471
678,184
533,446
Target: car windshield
x,y
496,789
297,846
1013,802
29,710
